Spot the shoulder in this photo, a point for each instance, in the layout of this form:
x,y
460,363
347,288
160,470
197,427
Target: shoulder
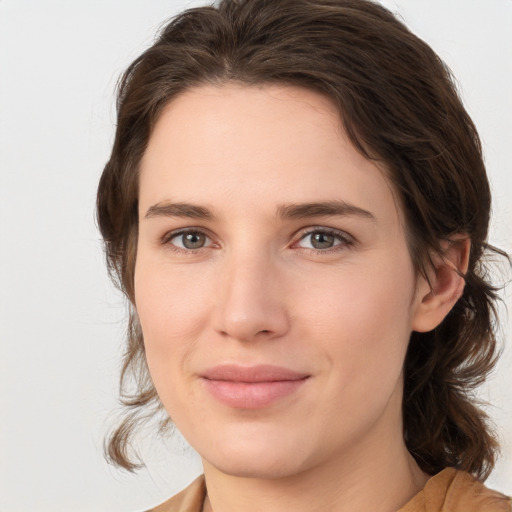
x,y
448,491
189,500
457,491
469,494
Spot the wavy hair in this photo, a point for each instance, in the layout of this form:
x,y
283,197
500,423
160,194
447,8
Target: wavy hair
x,y
399,106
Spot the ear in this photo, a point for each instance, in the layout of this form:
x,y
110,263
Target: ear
x,y
435,300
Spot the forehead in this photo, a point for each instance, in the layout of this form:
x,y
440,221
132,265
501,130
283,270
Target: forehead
x,y
261,121
238,145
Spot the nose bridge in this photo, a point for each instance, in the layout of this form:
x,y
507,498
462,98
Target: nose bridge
x,y
251,302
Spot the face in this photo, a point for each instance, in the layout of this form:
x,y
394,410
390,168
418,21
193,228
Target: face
x,y
273,282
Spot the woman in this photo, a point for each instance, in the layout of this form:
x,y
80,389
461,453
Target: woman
x,y
297,208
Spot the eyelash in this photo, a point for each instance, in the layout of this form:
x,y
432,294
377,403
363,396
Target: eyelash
x,y
344,240
168,237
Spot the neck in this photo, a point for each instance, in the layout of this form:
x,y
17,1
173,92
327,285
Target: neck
x,y
358,492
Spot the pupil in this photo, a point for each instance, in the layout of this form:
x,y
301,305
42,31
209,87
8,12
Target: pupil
x,y
193,240
322,240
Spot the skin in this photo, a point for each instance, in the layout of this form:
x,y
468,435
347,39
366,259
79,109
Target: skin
x,y
256,290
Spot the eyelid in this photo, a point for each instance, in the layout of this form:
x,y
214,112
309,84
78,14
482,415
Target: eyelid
x,y
168,237
345,238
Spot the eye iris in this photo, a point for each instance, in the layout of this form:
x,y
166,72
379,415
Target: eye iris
x,y
193,240
322,240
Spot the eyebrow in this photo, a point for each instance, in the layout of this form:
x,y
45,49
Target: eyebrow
x,y
183,210
284,212
322,209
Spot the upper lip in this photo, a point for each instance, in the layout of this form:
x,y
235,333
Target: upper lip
x,y
258,373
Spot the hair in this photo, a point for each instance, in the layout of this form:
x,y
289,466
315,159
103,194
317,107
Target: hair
x,y
399,106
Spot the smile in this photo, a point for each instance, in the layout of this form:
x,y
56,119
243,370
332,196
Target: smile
x,y
251,387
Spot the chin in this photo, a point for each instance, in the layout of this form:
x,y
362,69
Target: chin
x,y
264,467
262,456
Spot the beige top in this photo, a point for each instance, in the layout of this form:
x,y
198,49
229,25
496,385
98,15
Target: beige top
x,y
448,491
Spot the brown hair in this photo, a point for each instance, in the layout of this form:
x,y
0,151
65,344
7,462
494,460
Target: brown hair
x,y
399,105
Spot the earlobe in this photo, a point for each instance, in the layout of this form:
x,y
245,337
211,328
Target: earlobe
x,y
435,300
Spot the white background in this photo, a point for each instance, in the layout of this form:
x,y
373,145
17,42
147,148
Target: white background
x,y
61,323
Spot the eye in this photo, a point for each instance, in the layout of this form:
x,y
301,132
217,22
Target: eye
x,y
323,240
189,240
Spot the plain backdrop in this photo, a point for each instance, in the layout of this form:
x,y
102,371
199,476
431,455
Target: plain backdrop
x,y
61,322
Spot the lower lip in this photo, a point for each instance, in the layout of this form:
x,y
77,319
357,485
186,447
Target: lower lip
x,y
251,395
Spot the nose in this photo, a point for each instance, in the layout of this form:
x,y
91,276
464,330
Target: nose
x,y
252,301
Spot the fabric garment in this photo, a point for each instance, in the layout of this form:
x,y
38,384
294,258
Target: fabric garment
x,y
448,491
456,491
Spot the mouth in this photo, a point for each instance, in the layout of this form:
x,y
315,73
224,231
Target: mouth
x,y
252,387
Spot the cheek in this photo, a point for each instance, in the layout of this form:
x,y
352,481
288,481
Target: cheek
x,y
168,298
171,316
364,297
362,318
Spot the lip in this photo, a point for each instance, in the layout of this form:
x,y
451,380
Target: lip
x,y
251,387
